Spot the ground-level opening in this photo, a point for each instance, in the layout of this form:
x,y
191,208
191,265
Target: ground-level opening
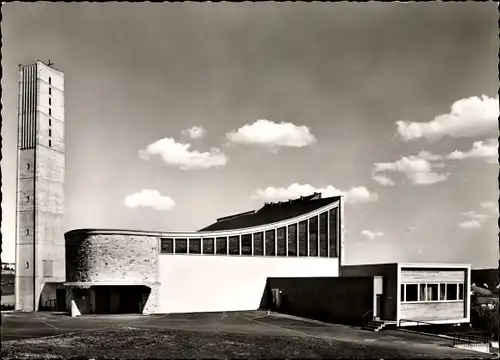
x,y
123,299
60,299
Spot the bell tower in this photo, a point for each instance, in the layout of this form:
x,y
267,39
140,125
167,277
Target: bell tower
x,y
40,250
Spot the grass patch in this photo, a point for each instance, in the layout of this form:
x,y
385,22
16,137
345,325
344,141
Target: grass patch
x,y
140,343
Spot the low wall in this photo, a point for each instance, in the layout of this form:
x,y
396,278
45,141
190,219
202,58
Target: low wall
x,y
342,300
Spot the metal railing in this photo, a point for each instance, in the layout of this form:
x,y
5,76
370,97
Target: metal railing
x,y
471,337
466,337
365,322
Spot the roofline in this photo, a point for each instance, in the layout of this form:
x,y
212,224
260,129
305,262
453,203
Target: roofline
x,y
441,265
49,66
204,234
417,265
297,218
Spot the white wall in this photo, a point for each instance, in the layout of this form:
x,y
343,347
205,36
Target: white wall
x,y
201,283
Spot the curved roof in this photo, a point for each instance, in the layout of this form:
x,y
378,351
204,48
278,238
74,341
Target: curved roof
x,y
272,212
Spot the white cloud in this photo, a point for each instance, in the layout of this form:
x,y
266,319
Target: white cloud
x,y
417,168
357,194
273,135
426,155
195,132
179,154
476,219
470,224
383,180
490,205
480,149
149,198
469,117
371,235
473,215
428,178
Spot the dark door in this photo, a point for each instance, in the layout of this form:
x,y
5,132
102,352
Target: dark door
x,y
379,306
130,299
102,300
61,299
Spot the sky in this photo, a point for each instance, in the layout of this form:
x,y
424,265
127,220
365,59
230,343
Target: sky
x,y
179,113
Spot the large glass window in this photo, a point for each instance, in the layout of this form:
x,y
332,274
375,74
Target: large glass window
x,y
181,246
195,246
411,292
234,245
432,292
208,246
313,236
281,233
167,246
303,238
258,246
333,232
221,246
451,292
323,235
442,291
270,243
292,240
246,244
422,291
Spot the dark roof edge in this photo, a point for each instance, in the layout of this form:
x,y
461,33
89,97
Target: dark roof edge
x,y
236,215
96,231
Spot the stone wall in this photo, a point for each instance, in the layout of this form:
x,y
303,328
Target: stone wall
x,y
94,257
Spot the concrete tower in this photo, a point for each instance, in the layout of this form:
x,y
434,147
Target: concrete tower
x,y
40,250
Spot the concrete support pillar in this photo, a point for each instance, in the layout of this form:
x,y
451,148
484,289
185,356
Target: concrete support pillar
x,y
74,309
150,307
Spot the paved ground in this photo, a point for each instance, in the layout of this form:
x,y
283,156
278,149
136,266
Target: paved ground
x,y
254,331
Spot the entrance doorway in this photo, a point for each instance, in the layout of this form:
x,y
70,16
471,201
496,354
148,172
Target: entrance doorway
x,y
129,299
61,299
379,306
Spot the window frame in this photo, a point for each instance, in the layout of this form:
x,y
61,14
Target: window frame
x,y
404,292
246,237
178,241
189,246
281,241
48,268
233,243
204,242
165,241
